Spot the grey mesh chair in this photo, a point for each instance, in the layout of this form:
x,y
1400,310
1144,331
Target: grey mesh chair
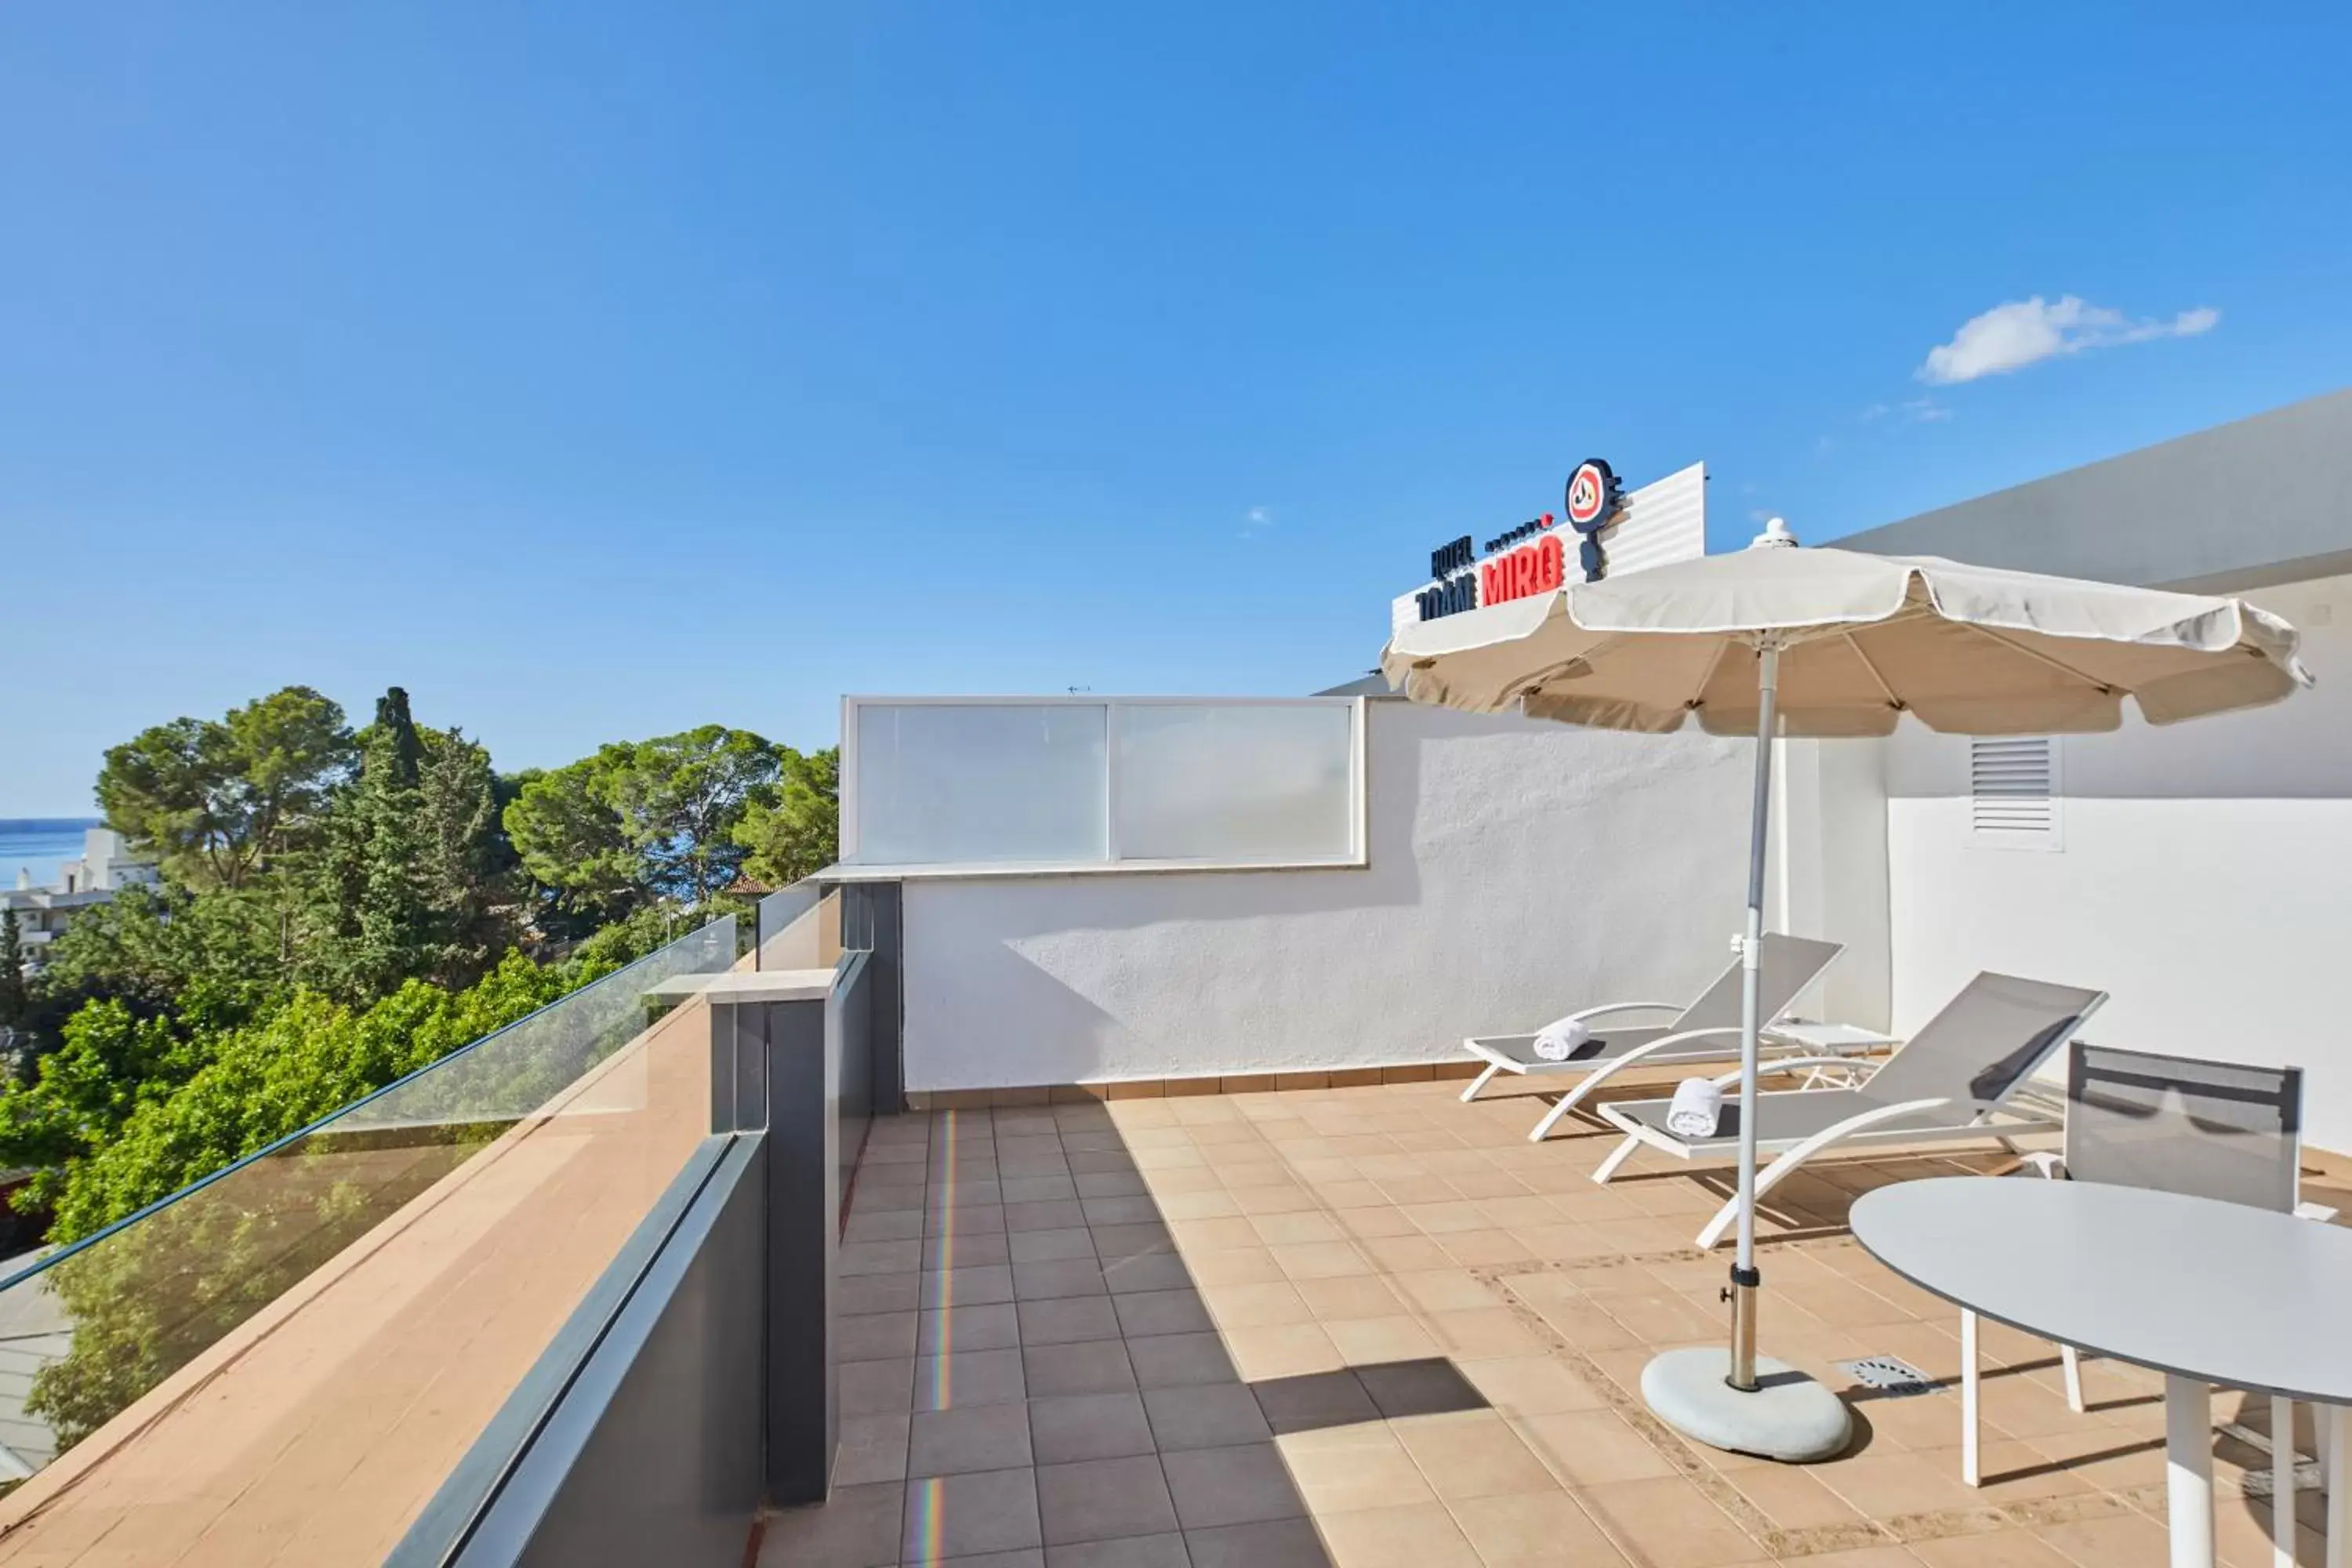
x,y
1951,1081
2174,1124
1706,1031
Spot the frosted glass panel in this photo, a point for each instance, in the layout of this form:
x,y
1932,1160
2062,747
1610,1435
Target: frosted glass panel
x,y
975,782
1235,781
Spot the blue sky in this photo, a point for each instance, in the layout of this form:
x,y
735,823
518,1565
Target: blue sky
x,y
596,370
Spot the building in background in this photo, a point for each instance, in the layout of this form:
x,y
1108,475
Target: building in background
x,y
106,867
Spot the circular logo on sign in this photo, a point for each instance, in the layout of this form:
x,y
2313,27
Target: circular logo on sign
x,y
1591,496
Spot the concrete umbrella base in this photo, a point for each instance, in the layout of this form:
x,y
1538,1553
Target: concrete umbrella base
x,y
1789,1417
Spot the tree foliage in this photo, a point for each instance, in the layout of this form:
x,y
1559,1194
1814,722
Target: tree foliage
x,y
645,821
216,799
800,832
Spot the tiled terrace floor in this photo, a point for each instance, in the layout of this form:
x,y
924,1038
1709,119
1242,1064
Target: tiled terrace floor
x,y
1372,1327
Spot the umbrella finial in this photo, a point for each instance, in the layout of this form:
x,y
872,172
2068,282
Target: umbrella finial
x,y
1776,536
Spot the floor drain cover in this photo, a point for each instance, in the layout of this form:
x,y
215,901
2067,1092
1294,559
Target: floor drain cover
x,y
1891,1375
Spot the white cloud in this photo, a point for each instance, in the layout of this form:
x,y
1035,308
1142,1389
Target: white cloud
x,y
1925,411
2020,332
1256,521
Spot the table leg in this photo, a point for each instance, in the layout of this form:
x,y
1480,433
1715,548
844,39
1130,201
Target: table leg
x,y
2188,1469
2338,1420
2282,1480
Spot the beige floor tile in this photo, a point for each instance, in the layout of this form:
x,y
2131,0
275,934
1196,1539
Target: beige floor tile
x,y
1476,1249
1348,1295
1531,1385
1365,1341
1281,1350
1591,1448
1993,1549
1668,1522
1472,1454
1484,1331
1254,1306
1792,1499
1402,1255
1529,1528
1361,1465
1321,1261
1278,1229
1419,1535
1444,1289
1235,1265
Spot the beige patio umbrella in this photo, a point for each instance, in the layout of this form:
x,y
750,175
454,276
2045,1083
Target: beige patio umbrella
x,y
1778,641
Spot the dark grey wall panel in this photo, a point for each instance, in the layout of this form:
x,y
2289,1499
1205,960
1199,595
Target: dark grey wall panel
x,y
849,1034
653,1457
804,1243
871,917
2260,500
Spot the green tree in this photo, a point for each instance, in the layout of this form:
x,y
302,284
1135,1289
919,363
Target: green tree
x,y
800,832
216,800
643,821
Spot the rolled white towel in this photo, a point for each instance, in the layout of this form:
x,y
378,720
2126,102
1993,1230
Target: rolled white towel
x,y
1558,1040
1698,1106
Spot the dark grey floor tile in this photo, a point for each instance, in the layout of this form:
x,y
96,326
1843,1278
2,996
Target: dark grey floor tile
x,y
857,1527
976,1286
969,1377
1100,1500
1271,1544
872,1336
1128,1552
1170,1361
948,1330
878,1293
1089,1426
877,1387
1088,1366
1132,1240
1150,1271
1052,1213
968,1437
1057,1276
961,1516
964,1249
1213,1416
1147,1313
1240,1485
1046,1246
1068,1319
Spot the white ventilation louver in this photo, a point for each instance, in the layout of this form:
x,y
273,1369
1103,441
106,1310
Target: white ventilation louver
x,y
2013,792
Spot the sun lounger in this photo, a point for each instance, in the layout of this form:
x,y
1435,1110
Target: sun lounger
x,y
1706,1031
1951,1081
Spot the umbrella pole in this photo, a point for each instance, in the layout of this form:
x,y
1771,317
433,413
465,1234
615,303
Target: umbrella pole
x,y
1744,1277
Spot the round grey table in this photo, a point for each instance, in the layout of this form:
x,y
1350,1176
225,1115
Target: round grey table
x,y
2204,1292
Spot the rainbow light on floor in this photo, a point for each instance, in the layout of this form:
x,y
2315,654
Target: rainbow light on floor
x,y
927,1522
942,1260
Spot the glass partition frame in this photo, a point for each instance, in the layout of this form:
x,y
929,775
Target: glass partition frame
x,y
853,860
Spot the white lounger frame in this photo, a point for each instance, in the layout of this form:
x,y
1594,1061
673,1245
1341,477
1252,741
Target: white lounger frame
x,y
1862,1127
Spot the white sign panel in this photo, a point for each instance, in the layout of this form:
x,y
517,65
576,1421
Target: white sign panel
x,y
1653,526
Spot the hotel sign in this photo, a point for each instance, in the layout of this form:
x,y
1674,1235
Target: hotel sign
x,y
1530,558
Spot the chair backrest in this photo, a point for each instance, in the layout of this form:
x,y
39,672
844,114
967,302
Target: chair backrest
x,y
2178,1124
1986,1041
1790,964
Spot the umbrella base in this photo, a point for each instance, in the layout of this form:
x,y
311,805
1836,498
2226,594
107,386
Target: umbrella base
x,y
1789,1417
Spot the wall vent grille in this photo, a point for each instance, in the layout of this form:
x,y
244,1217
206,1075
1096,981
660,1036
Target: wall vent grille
x,y
2013,791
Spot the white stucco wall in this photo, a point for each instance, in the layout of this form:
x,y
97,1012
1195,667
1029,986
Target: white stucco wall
x,y
2205,878
1517,870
